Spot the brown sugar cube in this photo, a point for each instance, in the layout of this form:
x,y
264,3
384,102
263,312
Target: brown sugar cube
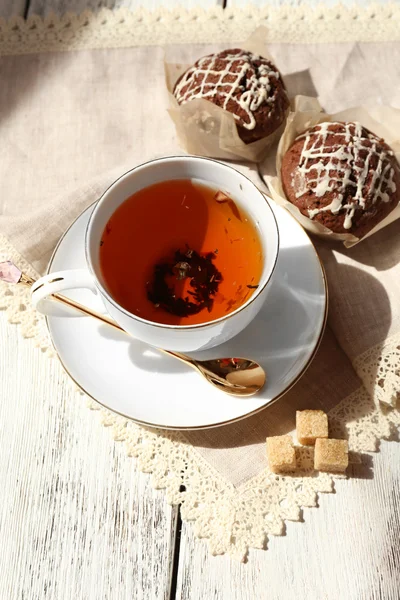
x,y
281,454
310,425
331,455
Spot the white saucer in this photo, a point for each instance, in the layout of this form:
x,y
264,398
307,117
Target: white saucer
x,y
136,381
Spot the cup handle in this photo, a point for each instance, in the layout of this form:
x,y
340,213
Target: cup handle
x,y
57,282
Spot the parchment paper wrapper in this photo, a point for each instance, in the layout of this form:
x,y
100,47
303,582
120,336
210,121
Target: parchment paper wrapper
x,y
206,129
384,121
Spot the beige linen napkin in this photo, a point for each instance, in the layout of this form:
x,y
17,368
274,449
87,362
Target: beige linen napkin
x,y
78,117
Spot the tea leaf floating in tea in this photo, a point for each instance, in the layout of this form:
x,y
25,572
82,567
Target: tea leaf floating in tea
x,y
166,289
221,198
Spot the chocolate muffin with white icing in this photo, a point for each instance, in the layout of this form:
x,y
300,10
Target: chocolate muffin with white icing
x,y
342,176
248,86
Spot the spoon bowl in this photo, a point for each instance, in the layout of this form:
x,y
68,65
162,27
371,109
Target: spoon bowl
x,y
235,376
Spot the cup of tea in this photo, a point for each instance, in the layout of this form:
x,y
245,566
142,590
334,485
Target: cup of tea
x,y
181,251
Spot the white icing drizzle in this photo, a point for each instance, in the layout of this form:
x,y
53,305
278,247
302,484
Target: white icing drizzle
x,y
344,159
255,93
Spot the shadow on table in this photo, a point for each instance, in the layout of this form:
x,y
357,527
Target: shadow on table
x,y
364,469
26,76
381,251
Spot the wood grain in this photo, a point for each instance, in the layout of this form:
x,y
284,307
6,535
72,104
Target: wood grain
x,y
76,519
43,7
11,8
348,548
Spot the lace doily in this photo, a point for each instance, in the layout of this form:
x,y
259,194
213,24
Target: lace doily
x,y
122,28
234,519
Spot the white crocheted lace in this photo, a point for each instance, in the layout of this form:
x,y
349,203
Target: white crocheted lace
x,y
122,28
234,519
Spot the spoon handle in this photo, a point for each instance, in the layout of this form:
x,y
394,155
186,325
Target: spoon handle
x,y
28,281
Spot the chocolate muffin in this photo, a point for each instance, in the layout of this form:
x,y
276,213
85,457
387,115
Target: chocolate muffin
x,y
248,86
343,176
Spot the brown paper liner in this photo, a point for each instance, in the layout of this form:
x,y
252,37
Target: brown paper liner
x,y
209,130
307,112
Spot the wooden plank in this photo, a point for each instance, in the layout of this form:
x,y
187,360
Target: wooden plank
x,y
76,519
43,7
12,8
347,548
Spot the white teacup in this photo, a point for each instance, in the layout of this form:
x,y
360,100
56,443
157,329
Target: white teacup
x,y
183,338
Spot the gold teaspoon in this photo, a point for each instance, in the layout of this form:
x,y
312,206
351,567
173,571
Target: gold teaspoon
x,y
236,376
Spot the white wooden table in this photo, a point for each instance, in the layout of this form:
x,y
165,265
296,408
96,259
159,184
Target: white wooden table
x,y
132,544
